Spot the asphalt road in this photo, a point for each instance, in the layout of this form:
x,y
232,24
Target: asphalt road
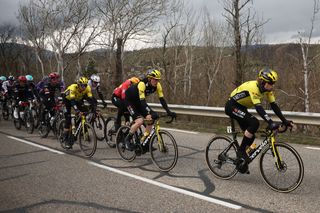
x,y
36,175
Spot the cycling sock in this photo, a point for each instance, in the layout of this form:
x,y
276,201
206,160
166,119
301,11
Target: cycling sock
x,y
245,142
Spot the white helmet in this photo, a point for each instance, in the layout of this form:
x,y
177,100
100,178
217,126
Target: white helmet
x,y
95,78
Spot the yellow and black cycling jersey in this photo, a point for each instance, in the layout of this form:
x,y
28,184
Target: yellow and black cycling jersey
x,y
248,94
139,91
73,93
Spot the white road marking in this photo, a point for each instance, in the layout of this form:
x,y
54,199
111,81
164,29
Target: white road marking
x,y
179,130
314,148
36,145
172,188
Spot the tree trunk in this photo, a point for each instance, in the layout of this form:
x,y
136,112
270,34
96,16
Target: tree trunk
x,y
118,75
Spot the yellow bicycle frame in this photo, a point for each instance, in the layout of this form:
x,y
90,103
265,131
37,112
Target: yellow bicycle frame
x,y
275,151
160,142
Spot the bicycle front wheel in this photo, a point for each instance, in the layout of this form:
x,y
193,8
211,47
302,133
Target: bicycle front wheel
x,y
110,132
29,122
164,152
120,144
99,125
221,159
87,140
285,177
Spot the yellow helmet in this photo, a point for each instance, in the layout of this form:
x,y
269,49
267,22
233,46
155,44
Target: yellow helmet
x,y
268,75
83,81
153,73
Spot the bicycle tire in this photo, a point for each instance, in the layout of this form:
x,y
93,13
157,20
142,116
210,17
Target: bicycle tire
x,y
164,158
60,134
55,126
17,123
99,125
222,166
87,140
5,113
273,176
44,128
29,122
110,134
120,145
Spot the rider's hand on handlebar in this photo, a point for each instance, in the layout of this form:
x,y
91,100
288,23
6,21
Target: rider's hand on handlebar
x,y
288,123
172,114
273,126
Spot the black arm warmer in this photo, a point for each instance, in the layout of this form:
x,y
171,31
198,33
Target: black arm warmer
x,y
146,109
277,111
263,113
100,94
164,104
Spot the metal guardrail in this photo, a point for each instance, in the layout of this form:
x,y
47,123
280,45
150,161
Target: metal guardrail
x,y
296,117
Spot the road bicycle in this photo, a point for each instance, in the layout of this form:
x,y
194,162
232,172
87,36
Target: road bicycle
x,y
280,164
51,122
82,131
7,108
25,116
99,124
160,143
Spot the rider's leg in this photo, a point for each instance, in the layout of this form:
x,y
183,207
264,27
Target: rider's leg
x,y
137,123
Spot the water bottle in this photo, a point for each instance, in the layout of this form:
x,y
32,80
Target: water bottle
x,y
21,114
143,138
251,148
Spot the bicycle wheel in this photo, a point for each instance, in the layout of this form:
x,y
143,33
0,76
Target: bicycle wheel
x,y
110,133
44,127
99,126
55,125
120,144
290,173
60,133
5,112
221,164
87,140
29,122
164,153
36,117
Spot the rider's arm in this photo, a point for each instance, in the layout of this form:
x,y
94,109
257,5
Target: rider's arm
x,y
141,88
277,111
100,94
263,113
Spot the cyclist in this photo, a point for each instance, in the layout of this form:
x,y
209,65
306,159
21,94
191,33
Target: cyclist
x,y
21,93
47,92
118,97
2,79
245,96
94,83
73,98
7,89
138,107
32,87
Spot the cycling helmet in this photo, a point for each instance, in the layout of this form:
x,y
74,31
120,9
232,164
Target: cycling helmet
x,y
134,80
3,78
11,78
22,78
153,73
268,75
54,75
82,80
29,77
95,78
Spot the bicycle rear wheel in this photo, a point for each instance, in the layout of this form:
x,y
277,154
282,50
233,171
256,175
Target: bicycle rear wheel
x,y
164,153
289,175
87,140
120,144
220,161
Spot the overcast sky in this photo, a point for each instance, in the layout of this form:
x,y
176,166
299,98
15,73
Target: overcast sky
x,y
286,16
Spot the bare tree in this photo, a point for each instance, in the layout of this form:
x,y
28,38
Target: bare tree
x,y
244,27
8,53
33,27
305,43
129,19
214,39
